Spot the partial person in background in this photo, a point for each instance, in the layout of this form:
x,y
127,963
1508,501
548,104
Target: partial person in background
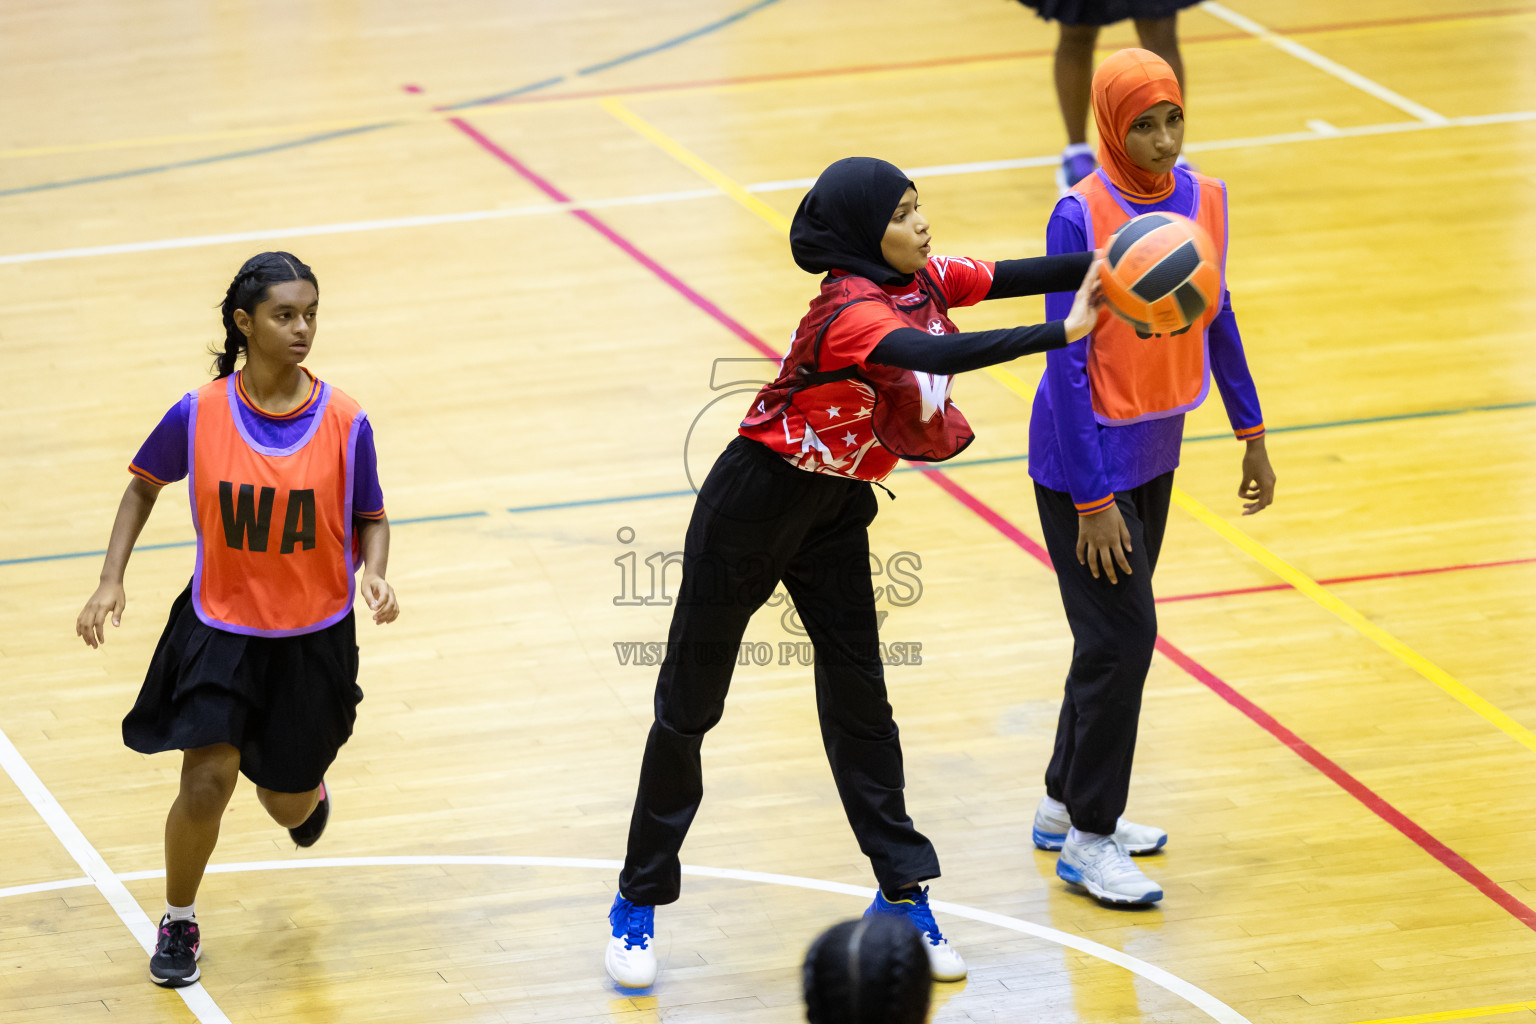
x,y
869,971
1079,21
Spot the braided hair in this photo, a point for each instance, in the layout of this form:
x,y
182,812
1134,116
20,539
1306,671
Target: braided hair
x,y
247,291
870,970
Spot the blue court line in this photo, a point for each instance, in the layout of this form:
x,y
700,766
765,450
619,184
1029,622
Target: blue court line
x,y
603,501
678,40
1426,414
190,543
957,464
438,519
310,140
498,97
88,554
135,172
995,460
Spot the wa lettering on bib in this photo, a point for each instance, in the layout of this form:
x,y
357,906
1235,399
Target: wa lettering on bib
x,y
274,526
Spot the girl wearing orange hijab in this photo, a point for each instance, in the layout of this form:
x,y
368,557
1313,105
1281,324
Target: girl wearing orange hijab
x,y
1104,442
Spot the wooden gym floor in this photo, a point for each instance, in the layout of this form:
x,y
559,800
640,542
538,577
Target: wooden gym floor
x,y
1338,732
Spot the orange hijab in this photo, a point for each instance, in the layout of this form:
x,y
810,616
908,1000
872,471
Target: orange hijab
x,y
1125,86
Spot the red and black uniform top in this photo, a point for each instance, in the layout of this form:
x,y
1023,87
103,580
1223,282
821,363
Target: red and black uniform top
x,y
833,409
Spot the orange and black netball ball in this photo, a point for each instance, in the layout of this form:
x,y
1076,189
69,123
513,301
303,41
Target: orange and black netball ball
x,y
1160,273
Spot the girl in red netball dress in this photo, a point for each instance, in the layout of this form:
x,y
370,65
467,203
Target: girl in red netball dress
x,y
1103,445
865,384
256,671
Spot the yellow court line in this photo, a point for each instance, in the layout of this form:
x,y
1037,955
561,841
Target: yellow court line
x,y
693,162
1386,641
1279,566
1476,1011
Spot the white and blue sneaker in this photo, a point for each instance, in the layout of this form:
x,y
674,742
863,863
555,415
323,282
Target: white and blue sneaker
x,y
944,964
630,960
1102,866
1051,826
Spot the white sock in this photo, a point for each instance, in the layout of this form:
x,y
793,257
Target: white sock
x,y
187,913
1082,838
1052,805
1077,149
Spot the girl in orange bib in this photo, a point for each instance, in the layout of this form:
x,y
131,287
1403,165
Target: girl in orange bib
x,y
1103,445
256,671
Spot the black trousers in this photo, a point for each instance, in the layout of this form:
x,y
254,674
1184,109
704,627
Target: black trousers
x,y
757,521
1114,631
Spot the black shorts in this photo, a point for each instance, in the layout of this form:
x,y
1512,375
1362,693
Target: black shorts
x,y
1105,12
287,703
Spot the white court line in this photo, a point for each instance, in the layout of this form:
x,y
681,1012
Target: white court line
x,y
1190,993
108,884
1322,63
346,227
23,890
785,185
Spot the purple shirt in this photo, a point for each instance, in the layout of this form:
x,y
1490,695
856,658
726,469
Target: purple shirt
x,y
163,457
1069,450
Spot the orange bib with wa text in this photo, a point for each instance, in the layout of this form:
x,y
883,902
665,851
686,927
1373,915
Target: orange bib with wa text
x,y
274,526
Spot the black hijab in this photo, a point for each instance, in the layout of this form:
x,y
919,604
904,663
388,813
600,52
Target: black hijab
x,y
842,218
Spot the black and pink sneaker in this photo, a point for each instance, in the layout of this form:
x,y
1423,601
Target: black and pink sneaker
x,y
308,833
177,948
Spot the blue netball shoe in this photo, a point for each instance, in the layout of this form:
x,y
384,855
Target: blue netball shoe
x,y
944,964
631,957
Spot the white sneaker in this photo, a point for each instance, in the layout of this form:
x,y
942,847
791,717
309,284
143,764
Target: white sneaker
x,y
1051,827
631,958
1104,868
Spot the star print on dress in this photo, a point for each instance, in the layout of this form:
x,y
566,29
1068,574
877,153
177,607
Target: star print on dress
x,y
849,437
833,412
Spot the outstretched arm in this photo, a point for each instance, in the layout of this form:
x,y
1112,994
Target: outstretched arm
x,y
912,349
1038,275
109,598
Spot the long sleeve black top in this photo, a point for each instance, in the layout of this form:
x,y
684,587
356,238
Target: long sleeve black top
x,y
912,349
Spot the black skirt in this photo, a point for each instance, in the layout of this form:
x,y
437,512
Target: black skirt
x,y
287,703
1105,12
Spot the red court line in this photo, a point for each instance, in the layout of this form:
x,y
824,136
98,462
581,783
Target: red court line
x,y
1354,787
1311,755
629,249
1346,579
983,58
